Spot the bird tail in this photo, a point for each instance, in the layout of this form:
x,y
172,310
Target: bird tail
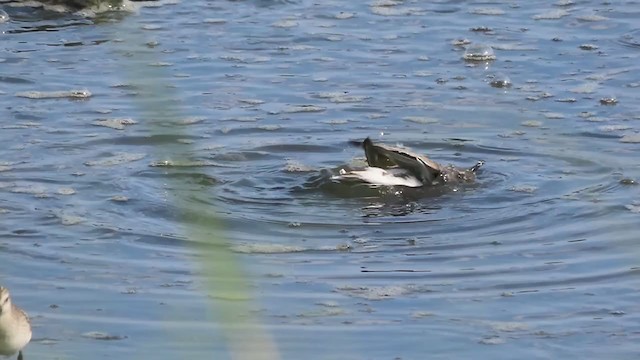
x,y
477,166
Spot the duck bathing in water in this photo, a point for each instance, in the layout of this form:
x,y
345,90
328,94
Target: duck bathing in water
x,y
394,166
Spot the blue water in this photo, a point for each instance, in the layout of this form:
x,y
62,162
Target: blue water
x,y
242,110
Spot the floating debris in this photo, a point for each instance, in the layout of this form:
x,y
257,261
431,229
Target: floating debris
x,y
612,128
244,119
171,163
322,313
251,101
273,127
244,60
151,27
343,15
160,63
591,18
118,124
628,181
296,167
565,3
554,115
487,11
421,314
422,73
71,94
340,97
96,335
69,220
190,120
420,119
285,23
531,123
336,121
482,29
587,88
66,191
386,2
492,340
509,326
29,189
329,304
544,95
608,101
517,46
479,52
119,158
388,8
634,207
500,81
303,108
588,47
631,138
266,249
119,198
4,17
380,292
527,189
551,15
461,42
214,21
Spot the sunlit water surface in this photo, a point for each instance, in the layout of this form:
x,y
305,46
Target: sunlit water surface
x,y
247,108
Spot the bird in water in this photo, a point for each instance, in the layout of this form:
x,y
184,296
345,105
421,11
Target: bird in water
x,y
394,166
15,329
72,5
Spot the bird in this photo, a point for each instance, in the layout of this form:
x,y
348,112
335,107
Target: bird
x,y
75,5
395,166
15,328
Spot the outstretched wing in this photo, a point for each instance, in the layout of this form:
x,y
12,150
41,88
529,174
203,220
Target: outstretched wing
x,y
384,156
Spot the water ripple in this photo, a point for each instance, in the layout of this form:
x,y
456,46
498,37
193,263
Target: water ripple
x,y
244,124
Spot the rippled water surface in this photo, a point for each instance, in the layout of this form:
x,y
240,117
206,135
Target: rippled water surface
x,y
113,125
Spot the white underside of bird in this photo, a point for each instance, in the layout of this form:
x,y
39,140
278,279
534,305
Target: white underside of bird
x,y
378,176
396,166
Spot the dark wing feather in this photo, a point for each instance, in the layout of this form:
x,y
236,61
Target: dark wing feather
x,y
385,156
376,157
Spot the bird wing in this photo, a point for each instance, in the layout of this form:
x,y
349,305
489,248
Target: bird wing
x,y
384,156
